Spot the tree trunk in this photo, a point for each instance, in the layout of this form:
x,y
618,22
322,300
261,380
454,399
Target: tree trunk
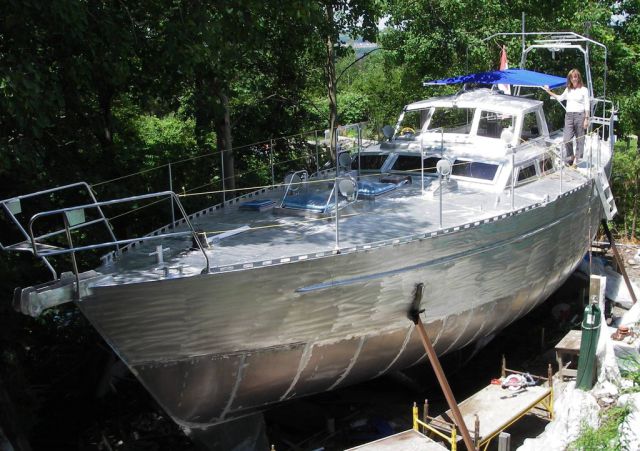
x,y
634,211
330,69
224,140
203,108
104,129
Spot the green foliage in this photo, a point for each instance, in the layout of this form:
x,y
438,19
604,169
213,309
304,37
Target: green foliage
x,y
605,437
626,187
630,369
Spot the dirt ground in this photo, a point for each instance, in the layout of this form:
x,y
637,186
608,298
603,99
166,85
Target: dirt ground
x,y
631,259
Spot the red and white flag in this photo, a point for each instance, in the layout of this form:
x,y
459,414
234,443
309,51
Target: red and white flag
x,y
504,64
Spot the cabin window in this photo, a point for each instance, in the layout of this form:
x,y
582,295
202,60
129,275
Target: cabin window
x,y
546,165
530,127
452,120
474,169
411,124
492,124
526,172
368,162
430,165
407,163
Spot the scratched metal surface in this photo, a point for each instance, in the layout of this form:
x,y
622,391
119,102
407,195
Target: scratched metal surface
x,y
217,346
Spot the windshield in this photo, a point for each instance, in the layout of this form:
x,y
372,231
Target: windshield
x,y
491,124
452,120
411,124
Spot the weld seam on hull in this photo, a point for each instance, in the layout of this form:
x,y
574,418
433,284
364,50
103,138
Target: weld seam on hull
x,y
304,359
407,337
352,363
232,395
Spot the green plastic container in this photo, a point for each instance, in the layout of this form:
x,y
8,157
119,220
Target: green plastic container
x,y
588,345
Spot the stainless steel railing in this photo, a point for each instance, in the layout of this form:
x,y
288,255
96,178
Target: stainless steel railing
x,y
68,214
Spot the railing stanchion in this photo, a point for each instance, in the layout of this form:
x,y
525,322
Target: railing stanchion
x,y
440,189
513,177
335,190
74,262
561,168
173,213
273,177
317,156
422,165
359,147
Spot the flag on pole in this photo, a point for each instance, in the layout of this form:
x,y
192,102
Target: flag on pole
x,y
504,64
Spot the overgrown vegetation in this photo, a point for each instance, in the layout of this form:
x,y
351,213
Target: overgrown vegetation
x,y
605,437
626,187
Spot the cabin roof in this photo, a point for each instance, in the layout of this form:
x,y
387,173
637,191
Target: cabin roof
x,y
479,98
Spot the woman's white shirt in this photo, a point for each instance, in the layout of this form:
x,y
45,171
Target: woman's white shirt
x,y
577,100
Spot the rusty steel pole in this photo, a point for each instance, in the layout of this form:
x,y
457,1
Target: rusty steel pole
x,y
414,315
619,260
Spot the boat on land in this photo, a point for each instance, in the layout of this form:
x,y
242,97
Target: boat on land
x,y
307,287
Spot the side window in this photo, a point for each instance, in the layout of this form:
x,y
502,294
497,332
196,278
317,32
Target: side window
x,y
407,163
526,173
474,169
492,124
546,165
430,165
530,127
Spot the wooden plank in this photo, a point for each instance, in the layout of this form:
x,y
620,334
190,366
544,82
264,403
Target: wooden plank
x,y
570,343
404,441
497,407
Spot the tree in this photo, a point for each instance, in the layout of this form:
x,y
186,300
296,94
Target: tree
x,y
355,18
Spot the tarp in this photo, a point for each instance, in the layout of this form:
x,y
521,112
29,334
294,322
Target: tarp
x,y
516,77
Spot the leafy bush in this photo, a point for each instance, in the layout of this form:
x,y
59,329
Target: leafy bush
x,y
626,187
604,438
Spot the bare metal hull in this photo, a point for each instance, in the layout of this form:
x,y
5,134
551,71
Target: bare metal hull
x,y
214,347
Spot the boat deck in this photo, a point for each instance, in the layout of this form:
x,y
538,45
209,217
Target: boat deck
x,y
262,236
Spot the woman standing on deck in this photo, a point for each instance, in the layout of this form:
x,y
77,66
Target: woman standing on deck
x,y
576,119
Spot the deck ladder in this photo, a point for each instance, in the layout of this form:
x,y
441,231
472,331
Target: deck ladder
x,y
606,195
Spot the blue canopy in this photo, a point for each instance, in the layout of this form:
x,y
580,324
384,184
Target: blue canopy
x,y
518,77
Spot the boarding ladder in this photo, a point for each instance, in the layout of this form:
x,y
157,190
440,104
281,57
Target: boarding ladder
x,y
606,195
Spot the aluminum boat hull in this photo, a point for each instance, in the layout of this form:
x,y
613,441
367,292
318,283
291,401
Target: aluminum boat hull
x,y
218,346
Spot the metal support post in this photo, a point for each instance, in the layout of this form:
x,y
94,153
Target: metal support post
x,y
619,260
513,178
504,441
73,255
273,177
173,212
414,315
335,190
422,166
317,156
